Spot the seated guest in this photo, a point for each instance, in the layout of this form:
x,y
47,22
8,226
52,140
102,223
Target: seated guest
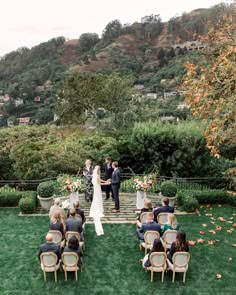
x,y
149,225
78,211
180,245
147,208
164,209
56,223
57,207
73,223
73,246
156,247
171,223
50,246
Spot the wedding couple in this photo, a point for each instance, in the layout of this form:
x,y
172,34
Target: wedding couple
x,y
96,210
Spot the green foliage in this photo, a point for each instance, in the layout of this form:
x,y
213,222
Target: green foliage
x,y
28,202
231,173
187,201
9,197
127,186
45,189
87,41
112,30
168,189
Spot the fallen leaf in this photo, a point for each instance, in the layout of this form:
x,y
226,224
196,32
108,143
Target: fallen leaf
x,y
208,205
230,258
201,207
234,224
217,240
199,215
213,222
211,242
191,243
212,232
221,219
202,232
231,218
211,208
213,218
219,205
208,214
234,245
234,214
204,224
200,240
218,227
219,276
229,231
230,222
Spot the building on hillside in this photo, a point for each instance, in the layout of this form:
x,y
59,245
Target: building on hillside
x,y
48,85
18,102
37,99
170,94
182,106
191,46
39,88
151,95
24,121
138,86
6,97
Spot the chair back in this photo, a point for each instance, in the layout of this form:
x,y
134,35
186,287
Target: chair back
x,y
143,217
69,259
170,236
150,236
162,218
57,236
181,259
158,259
48,259
69,234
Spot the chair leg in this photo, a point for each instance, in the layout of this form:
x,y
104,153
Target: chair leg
x,y
162,276
184,277
65,275
76,275
55,275
44,275
145,250
173,278
151,275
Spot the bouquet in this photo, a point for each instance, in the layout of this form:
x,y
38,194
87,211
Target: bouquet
x,y
70,184
143,183
66,204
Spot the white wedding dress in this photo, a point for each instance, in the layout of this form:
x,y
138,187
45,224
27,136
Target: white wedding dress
x,y
96,210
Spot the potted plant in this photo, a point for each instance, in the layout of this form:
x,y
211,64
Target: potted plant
x,y
169,190
45,195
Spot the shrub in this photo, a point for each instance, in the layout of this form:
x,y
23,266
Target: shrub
x,y
127,186
28,203
231,173
168,189
9,197
187,201
45,189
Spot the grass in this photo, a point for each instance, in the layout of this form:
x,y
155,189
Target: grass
x,y
111,262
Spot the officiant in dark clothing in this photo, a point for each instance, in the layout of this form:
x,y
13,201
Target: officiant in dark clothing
x,y
108,170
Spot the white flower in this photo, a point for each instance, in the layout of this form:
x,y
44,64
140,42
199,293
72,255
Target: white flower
x,y
66,204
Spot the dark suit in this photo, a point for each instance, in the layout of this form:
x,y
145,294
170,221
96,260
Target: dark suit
x,y
163,209
107,167
50,247
79,212
152,225
115,185
74,224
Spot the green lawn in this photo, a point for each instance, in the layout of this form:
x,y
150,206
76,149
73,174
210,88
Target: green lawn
x,y
111,262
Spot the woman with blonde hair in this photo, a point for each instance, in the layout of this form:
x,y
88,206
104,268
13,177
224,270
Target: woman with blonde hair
x,y
147,208
57,223
171,224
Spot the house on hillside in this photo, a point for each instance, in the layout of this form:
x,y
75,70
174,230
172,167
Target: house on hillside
x,y
170,94
48,85
24,121
191,46
18,102
151,95
6,97
37,98
138,86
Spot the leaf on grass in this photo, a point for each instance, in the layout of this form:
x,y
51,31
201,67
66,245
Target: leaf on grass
x,y
234,245
213,218
200,240
221,219
234,224
230,222
219,276
208,205
201,207
230,258
213,222
208,214
229,231
212,232
219,205
191,243
202,232
218,227
204,224
211,242
234,214
231,218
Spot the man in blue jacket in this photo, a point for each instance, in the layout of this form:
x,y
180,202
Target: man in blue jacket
x,y
149,225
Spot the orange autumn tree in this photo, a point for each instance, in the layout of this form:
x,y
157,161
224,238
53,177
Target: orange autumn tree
x,y
211,85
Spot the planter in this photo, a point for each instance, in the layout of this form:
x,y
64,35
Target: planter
x,y
140,196
172,200
73,197
46,203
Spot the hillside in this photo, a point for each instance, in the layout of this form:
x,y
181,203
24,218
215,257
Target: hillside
x,y
31,78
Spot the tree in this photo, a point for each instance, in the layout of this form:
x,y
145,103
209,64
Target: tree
x,y
87,41
112,30
211,86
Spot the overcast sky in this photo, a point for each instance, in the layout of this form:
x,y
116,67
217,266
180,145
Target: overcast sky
x,y
30,22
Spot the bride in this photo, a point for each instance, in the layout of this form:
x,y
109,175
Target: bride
x,y
96,210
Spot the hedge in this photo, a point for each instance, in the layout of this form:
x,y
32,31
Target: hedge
x,y
9,197
28,202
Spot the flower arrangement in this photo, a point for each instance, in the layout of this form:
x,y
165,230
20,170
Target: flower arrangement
x,y
70,184
66,204
144,183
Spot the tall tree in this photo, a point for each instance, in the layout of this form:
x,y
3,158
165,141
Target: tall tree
x,y
112,30
211,86
87,41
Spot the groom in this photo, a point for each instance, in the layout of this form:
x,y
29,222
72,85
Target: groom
x,y
115,185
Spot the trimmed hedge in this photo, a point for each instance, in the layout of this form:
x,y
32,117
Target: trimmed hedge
x,y
168,189
28,202
187,201
9,197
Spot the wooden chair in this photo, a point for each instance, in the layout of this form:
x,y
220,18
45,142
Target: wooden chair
x,y
180,264
149,237
49,264
162,218
57,236
158,264
143,218
168,238
69,234
70,263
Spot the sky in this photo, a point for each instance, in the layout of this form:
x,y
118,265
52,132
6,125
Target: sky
x,y
30,22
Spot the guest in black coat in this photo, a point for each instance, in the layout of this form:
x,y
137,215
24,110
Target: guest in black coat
x,y
74,224
73,246
50,246
156,247
164,209
108,170
115,185
149,225
180,245
78,211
